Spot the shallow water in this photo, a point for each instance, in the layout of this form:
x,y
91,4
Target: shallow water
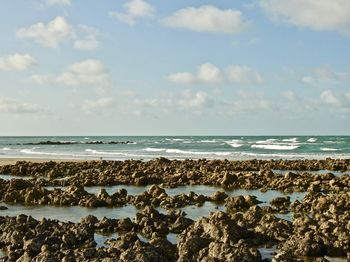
x,y
172,238
318,172
267,252
132,190
72,214
101,238
9,177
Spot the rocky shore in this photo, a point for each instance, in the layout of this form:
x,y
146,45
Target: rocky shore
x,y
313,228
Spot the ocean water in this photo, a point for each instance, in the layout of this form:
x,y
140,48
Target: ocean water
x,y
182,147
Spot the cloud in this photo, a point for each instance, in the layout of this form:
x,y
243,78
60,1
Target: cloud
x,y
59,2
98,106
186,100
325,75
237,74
17,62
58,31
88,39
249,102
87,72
329,98
51,34
320,15
210,74
134,9
10,106
207,19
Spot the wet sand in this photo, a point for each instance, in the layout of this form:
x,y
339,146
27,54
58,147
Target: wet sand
x,y
12,161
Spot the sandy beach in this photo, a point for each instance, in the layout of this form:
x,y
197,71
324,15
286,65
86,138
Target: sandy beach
x,y
12,161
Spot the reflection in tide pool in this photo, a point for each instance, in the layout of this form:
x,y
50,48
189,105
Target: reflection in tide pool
x,y
9,177
101,238
2,254
195,212
267,252
265,197
172,238
72,214
318,172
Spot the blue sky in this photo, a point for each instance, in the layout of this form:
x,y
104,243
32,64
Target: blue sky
x,y
137,67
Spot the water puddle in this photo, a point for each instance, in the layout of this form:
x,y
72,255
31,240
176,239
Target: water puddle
x,y
267,252
195,212
72,214
132,190
336,259
172,238
9,177
101,238
2,254
317,172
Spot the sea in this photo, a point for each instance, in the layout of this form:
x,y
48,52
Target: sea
x,y
175,147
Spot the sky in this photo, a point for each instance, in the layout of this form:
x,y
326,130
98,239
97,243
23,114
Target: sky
x,y
184,67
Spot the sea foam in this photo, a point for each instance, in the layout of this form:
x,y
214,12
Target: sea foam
x,y
276,147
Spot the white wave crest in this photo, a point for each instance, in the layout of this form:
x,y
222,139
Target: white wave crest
x,y
6,149
292,140
151,149
328,149
179,151
312,140
235,143
276,147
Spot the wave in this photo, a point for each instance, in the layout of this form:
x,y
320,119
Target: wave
x,y
329,149
235,143
292,140
96,152
267,141
208,141
32,152
276,147
312,140
179,151
6,149
150,149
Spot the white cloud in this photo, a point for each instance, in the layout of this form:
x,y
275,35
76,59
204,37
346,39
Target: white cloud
x,y
182,78
329,98
10,106
250,102
51,34
186,100
198,100
318,15
59,2
88,72
237,74
134,9
16,62
290,96
88,39
98,105
325,75
58,31
210,74
207,19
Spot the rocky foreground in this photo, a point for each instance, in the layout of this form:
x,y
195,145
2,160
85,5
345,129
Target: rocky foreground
x,y
319,228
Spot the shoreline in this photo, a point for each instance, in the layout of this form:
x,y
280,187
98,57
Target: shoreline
x,y
12,161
